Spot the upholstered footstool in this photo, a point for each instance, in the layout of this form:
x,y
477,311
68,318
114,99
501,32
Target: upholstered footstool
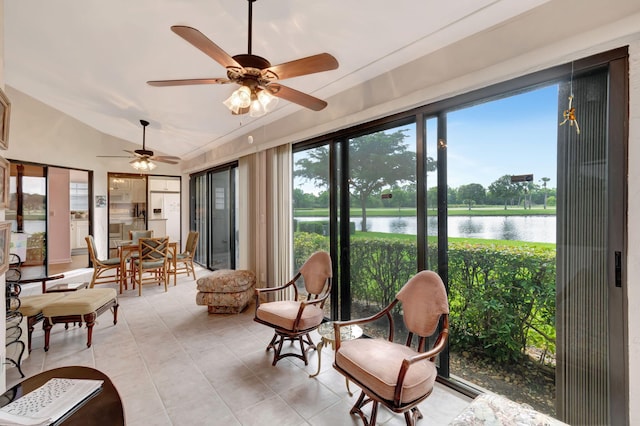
x,y
226,291
78,306
31,308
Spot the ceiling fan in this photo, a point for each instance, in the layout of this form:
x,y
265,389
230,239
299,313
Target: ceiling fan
x,y
142,158
258,79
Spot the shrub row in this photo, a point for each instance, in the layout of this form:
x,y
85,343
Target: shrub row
x,y
502,298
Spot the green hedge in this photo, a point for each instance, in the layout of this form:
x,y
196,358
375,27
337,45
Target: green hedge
x,y
502,298
320,227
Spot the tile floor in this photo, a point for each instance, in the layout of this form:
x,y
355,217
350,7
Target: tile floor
x,y
174,364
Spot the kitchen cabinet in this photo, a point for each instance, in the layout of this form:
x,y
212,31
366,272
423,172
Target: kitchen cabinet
x,y
79,230
165,185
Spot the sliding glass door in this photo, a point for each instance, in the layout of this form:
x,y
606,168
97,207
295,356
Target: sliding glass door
x,y
214,216
515,195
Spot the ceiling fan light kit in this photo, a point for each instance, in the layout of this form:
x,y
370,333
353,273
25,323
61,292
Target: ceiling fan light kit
x,y
143,159
143,164
258,92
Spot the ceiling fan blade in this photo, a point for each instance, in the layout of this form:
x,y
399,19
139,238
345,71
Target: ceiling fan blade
x,y
165,159
188,82
113,156
201,42
296,96
133,153
304,66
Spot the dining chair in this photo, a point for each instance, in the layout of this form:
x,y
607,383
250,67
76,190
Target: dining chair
x,y
293,319
134,236
102,268
396,375
184,261
152,264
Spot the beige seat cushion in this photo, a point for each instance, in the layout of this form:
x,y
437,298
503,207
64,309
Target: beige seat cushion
x,y
226,281
283,314
32,305
376,363
80,302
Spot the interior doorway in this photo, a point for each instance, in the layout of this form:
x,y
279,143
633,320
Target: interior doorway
x,y
50,214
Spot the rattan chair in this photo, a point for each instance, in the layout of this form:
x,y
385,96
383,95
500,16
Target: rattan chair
x,y
294,319
392,374
104,270
184,260
152,264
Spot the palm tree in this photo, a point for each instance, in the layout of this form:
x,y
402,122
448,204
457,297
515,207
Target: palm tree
x,y
544,185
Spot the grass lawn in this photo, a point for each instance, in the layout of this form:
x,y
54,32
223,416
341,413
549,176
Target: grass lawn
x,y
453,211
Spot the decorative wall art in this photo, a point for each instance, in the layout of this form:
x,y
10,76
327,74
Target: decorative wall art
x,y
5,112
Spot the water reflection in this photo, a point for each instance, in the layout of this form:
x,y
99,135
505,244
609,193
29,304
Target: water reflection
x,y
509,231
518,228
398,226
468,226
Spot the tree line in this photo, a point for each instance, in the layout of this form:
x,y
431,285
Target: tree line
x,y
381,163
501,192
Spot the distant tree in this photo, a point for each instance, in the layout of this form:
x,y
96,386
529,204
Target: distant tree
x,y
502,189
452,195
376,161
432,197
322,200
472,193
298,198
544,185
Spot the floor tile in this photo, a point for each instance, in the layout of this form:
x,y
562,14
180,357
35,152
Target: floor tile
x,y
173,363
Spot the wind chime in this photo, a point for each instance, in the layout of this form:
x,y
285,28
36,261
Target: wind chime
x,y
569,114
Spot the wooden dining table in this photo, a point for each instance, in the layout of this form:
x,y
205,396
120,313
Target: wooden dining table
x,y
126,248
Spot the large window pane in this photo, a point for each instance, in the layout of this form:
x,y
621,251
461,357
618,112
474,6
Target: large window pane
x,y
383,248
310,207
501,175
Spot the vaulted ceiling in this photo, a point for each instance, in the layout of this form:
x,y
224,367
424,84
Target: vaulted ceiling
x,y
92,59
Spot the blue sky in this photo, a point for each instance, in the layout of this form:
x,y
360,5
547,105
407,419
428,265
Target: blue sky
x,y
511,136
515,135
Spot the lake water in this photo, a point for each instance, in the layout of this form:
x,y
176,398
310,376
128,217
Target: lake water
x,y
540,229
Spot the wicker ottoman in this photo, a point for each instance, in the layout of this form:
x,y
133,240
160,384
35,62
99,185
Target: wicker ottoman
x,y
226,291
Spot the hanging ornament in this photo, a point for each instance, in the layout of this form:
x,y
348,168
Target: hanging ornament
x,y
569,114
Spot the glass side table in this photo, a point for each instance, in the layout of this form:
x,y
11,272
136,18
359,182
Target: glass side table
x,y
327,335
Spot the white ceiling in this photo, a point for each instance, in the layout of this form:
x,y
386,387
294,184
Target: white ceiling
x,y
91,59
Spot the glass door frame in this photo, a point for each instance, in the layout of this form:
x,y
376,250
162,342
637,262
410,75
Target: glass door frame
x,y
205,241
45,168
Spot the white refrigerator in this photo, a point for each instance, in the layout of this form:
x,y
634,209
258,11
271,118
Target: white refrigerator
x,y
166,205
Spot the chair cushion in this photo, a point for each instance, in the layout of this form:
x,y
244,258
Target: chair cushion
x,y
80,302
226,281
283,314
32,305
150,264
376,363
111,261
